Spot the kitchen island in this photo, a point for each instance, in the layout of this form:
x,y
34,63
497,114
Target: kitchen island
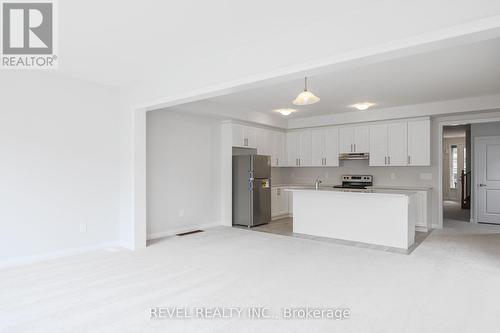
x,y
379,217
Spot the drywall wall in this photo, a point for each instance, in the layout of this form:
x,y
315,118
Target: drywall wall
x,y
59,153
183,184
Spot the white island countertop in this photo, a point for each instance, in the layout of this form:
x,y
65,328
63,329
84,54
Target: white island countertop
x,y
352,191
383,217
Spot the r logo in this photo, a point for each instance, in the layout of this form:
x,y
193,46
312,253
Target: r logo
x,y
27,28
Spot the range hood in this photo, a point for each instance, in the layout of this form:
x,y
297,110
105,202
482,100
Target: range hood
x,y
354,156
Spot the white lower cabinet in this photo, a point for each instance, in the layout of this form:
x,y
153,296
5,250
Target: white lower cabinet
x,y
279,202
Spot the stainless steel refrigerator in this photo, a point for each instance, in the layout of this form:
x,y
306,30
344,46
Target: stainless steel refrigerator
x,y
251,190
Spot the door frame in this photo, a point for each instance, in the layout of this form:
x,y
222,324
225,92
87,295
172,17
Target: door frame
x,y
451,122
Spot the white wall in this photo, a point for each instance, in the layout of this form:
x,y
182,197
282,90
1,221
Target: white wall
x,y
59,164
182,173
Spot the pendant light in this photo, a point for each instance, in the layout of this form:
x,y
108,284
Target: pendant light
x,y
306,97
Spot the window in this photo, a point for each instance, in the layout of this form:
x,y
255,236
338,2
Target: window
x,y
465,159
453,166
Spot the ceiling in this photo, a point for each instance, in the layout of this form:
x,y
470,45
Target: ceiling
x,y
181,46
467,71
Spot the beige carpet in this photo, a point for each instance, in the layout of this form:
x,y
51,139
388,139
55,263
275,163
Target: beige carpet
x,y
448,284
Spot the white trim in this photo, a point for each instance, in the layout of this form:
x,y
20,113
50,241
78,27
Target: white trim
x,y
172,232
460,120
59,254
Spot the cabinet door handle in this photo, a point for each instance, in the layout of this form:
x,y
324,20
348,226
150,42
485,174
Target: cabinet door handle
x,y
409,160
354,147
351,148
389,160
385,160
299,161
277,162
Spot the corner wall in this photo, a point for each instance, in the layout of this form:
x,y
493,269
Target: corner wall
x,y
59,170
183,158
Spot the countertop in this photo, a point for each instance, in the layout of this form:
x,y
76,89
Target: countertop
x,y
375,187
351,191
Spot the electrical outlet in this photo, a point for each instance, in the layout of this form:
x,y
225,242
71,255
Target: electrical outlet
x,y
393,176
181,213
83,227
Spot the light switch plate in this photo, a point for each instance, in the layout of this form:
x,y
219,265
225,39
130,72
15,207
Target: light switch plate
x,y
393,176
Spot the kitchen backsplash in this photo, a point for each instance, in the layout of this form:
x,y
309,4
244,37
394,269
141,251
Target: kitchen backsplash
x,y
396,176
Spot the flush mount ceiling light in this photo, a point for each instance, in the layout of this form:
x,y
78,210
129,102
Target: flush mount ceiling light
x,y
285,112
363,106
306,97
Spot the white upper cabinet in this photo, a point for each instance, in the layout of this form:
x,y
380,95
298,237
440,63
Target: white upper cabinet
x,y
388,144
298,149
361,139
305,148
278,150
378,145
244,136
324,147
355,139
397,144
264,141
419,134
346,140
292,148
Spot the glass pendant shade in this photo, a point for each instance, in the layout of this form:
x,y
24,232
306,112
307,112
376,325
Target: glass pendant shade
x,y
306,97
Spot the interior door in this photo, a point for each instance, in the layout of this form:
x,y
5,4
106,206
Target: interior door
x,y
487,151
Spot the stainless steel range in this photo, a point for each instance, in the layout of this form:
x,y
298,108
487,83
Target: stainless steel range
x,y
359,182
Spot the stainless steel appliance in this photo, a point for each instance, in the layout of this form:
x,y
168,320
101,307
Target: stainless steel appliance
x,y
251,190
354,156
356,182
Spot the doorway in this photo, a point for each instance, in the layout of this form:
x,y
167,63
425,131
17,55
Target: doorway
x,y
457,175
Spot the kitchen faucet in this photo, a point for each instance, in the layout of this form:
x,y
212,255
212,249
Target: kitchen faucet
x,y
317,182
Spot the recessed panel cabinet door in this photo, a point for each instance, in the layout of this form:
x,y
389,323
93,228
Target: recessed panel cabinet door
x,y
292,148
397,144
238,135
278,153
305,148
331,146
419,133
378,145
361,139
346,140
318,147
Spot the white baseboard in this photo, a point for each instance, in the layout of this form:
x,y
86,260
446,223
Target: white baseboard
x,y
172,232
57,254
